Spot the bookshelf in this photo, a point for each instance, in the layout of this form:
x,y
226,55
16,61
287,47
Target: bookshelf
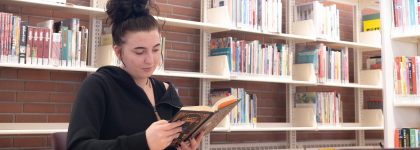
x,y
205,75
398,112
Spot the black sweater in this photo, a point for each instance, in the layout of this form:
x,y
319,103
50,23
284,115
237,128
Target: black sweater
x,y
112,113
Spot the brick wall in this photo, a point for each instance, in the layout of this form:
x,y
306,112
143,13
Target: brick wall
x,y
47,96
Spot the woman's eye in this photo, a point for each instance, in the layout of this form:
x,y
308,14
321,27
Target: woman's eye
x,y
156,50
139,53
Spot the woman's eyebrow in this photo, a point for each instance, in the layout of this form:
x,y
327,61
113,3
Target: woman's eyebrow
x,y
139,47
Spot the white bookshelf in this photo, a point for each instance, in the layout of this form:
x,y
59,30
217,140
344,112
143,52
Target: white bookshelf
x,y
360,46
42,67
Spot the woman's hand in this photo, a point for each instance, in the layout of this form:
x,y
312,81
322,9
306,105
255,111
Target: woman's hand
x,y
194,142
160,134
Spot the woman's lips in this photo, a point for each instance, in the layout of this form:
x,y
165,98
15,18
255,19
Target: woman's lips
x,y
147,69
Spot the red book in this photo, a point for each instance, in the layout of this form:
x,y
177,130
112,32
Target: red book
x,y
46,52
29,45
396,13
413,68
41,40
397,138
34,50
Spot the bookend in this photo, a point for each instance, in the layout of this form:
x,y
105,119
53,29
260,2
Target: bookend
x,y
105,56
371,77
371,37
372,118
304,72
219,16
303,117
304,28
218,65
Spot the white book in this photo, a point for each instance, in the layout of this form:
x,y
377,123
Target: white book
x,y
78,48
238,13
73,49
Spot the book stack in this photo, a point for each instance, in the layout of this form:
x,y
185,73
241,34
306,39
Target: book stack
x,y
245,113
327,107
406,137
374,62
330,65
42,44
250,58
325,19
406,18
406,78
261,15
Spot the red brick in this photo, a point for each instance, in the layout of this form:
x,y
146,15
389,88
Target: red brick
x,y
183,47
1,7
269,119
182,30
178,17
235,84
59,118
63,87
182,64
254,86
327,135
8,73
33,20
301,89
188,101
348,8
196,4
194,39
83,77
29,141
165,8
31,119
66,15
40,86
177,37
269,111
7,96
182,82
34,74
270,95
268,87
348,36
255,137
194,92
182,92
281,104
301,136
5,142
48,141
76,88
183,11
195,56
6,119
11,85
216,137
197,13
162,1
339,135
337,5
36,11
236,137
269,136
260,119
65,76
177,54
252,38
39,108
63,108
313,136
62,98
279,136
218,84
10,108
32,97
11,8
86,18
180,2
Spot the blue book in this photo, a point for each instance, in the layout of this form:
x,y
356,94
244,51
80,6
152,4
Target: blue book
x,y
222,46
12,54
69,47
63,56
310,56
237,53
412,13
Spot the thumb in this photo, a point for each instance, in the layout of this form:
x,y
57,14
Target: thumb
x,y
161,122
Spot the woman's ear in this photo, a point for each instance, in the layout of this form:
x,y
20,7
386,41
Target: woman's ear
x,y
117,51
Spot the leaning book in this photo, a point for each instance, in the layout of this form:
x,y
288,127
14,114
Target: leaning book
x,y
198,118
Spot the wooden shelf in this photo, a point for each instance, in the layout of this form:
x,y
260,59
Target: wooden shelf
x,y
70,8
41,67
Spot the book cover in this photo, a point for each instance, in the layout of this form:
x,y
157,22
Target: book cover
x,y
320,54
22,41
69,48
73,25
222,46
9,38
29,46
85,54
414,75
46,47
196,121
56,43
17,39
35,44
49,24
78,50
310,56
11,54
406,137
401,140
41,41
2,32
412,137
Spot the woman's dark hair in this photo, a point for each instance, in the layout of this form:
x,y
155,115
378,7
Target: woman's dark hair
x,y
130,16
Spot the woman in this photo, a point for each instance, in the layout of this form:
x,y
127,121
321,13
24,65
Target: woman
x,y
123,108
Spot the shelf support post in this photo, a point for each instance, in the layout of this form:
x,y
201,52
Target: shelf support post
x,y
205,84
358,66
95,29
290,88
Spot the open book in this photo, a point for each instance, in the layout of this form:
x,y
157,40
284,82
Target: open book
x,y
198,118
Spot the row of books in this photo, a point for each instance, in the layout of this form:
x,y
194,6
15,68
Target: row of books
x,y
406,75
406,137
245,113
327,107
253,58
63,43
330,65
406,18
325,19
262,15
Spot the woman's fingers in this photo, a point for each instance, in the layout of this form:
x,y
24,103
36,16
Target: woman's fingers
x,y
184,146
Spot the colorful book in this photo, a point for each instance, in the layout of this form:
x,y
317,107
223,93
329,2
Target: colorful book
x,y
69,48
29,46
56,43
41,41
35,45
47,53
82,46
64,46
73,25
22,41
413,138
222,46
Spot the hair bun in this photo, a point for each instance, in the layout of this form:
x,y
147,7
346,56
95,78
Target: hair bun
x,y
120,10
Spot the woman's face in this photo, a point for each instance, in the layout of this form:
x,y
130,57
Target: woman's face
x,y
141,53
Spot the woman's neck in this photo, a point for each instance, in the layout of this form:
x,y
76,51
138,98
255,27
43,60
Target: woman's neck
x,y
140,81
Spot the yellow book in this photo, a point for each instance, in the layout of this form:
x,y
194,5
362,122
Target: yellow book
x,y
403,76
371,22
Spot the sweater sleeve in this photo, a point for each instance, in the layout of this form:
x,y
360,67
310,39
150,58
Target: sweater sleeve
x,y
87,117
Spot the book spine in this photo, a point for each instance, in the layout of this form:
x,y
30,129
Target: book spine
x,y
2,33
63,52
46,51
9,38
412,137
401,140
29,46
82,45
56,44
17,39
86,48
417,75
414,75
406,137
35,44
69,48
13,48
41,41
78,50
23,41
